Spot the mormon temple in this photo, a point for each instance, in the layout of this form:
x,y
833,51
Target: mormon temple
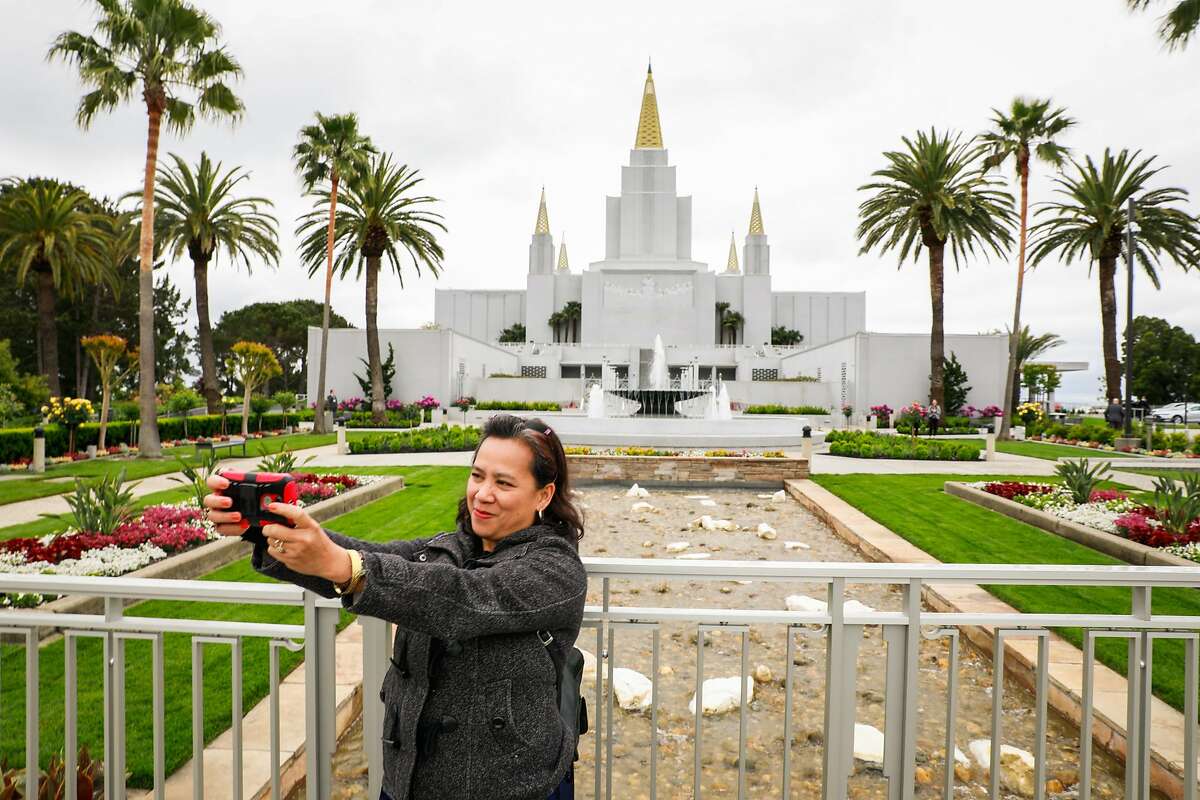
x,y
600,323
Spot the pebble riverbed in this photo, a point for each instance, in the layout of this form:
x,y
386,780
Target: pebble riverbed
x,y
615,530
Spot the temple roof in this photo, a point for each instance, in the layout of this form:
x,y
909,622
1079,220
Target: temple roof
x,y
732,264
649,130
543,218
756,223
562,255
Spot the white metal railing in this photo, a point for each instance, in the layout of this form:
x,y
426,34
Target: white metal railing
x,y
841,630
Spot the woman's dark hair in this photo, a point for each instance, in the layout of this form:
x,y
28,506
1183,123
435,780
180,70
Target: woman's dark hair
x,y
549,466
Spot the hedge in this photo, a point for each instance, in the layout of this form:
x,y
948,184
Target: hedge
x,y
866,444
426,440
778,409
392,419
516,405
17,443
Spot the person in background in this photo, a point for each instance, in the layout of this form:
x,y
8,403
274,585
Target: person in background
x,y
1113,415
934,415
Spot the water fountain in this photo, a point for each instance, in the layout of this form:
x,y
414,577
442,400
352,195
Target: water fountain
x,y
595,402
655,395
660,376
723,410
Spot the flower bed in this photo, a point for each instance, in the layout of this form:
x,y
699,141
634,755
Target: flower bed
x,y
1107,510
868,444
160,531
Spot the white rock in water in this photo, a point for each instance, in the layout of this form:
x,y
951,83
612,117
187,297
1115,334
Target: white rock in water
x,y
802,602
695,497
678,547
1016,765
632,689
641,506
780,495
961,758
796,546
637,491
765,531
868,744
707,503
709,524
695,556
723,694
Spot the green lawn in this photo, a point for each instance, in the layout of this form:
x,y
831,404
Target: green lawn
x,y
16,489
956,531
426,506
1053,452
1174,474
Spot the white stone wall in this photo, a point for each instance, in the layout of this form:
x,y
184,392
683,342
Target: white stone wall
x,y
821,316
478,313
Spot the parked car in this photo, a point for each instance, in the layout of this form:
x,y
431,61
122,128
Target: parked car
x,y
1175,412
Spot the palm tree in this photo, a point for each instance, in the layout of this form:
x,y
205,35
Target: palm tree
x,y
933,194
1177,25
1091,224
380,217
1030,347
168,53
54,235
732,322
1027,129
198,213
721,309
555,321
572,314
329,151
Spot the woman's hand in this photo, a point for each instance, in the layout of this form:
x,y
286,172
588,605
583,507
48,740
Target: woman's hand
x,y
303,546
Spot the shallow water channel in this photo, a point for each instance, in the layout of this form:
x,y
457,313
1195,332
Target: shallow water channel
x,y
613,529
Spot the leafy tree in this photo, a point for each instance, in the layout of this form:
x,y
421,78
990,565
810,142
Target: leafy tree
x,y
253,363
513,333
935,194
556,322
327,152
1040,380
28,391
260,405
389,373
286,402
380,217
51,235
282,326
200,214
167,53
956,388
781,335
720,308
1178,25
183,401
113,359
1166,362
1090,225
1026,130
732,322
572,315
1030,347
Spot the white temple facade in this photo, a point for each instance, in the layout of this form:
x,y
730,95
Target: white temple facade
x,y
599,323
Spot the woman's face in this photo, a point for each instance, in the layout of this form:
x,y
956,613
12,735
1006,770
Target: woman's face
x,y
502,495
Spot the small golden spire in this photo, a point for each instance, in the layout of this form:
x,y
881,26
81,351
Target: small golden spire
x,y
756,225
543,219
562,255
649,131
732,265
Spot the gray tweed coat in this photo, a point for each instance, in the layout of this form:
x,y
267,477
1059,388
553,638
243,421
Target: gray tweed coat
x,y
471,709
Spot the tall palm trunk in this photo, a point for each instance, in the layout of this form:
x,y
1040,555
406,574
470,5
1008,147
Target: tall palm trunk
x,y
378,401
1108,321
1010,380
937,334
148,441
104,404
319,423
208,358
47,328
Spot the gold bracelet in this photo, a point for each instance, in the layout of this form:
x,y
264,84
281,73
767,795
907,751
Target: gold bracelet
x,y
357,575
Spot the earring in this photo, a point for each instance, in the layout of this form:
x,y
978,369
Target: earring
x,y
540,517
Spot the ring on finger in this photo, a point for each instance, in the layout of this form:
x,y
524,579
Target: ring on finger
x,y
278,545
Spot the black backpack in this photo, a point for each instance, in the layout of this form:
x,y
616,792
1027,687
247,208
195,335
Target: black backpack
x,y
568,675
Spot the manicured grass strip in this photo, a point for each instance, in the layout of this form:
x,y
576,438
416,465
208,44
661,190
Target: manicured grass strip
x,y
15,490
1174,474
1052,452
953,530
426,506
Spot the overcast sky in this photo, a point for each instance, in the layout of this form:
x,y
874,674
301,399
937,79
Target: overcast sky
x,y
492,100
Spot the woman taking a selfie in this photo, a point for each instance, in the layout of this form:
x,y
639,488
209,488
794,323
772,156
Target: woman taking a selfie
x,y
471,705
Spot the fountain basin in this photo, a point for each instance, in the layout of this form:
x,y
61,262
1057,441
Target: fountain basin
x,y
751,431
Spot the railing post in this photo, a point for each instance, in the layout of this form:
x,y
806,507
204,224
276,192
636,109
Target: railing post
x,y
841,667
320,630
375,660
900,698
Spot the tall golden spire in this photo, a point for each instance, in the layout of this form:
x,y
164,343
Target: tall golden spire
x,y
543,220
649,131
562,255
756,225
732,264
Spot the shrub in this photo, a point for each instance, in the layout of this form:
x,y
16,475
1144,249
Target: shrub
x,y
516,405
391,419
101,505
1177,442
772,408
440,439
1176,506
1080,478
868,444
282,462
